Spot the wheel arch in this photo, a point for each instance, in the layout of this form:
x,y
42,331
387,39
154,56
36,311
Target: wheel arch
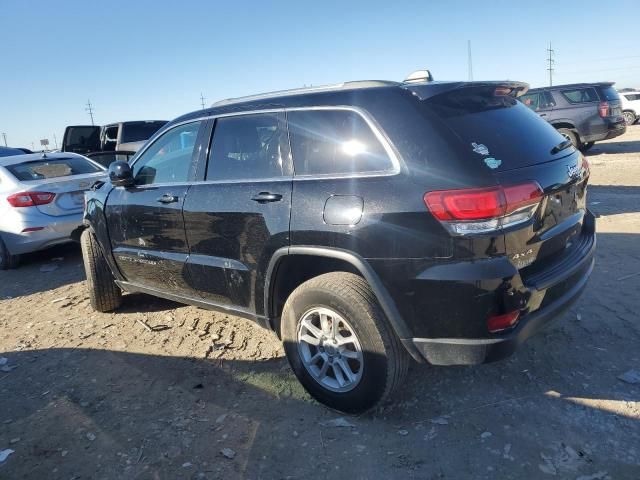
x,y
354,263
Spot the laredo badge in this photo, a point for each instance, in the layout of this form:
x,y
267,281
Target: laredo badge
x,y
492,162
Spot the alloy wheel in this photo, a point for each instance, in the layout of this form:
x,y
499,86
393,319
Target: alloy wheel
x,y
330,350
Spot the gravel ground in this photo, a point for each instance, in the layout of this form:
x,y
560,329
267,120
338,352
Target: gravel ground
x,y
159,390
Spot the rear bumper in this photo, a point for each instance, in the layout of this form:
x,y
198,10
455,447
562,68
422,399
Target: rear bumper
x,y
463,351
56,230
612,129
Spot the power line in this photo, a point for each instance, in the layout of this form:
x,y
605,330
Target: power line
x,y
470,61
601,59
202,99
90,110
551,62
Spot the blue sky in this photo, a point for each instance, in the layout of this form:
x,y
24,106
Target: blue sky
x,y
152,59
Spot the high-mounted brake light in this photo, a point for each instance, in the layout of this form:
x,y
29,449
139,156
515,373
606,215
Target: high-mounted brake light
x,y
30,199
480,210
603,109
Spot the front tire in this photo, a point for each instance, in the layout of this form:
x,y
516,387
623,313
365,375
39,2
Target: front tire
x,y
339,343
104,294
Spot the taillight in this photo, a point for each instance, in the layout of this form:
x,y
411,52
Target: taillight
x,y
479,210
496,323
603,109
30,199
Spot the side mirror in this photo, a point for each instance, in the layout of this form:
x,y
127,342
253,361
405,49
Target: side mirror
x,y
120,174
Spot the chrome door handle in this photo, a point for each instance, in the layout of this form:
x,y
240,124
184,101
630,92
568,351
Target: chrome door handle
x,y
167,198
264,197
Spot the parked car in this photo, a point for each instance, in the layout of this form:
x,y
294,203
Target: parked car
x,y
41,200
583,113
366,223
10,151
106,144
630,106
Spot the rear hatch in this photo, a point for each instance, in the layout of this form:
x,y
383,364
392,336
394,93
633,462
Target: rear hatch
x,y
539,176
66,178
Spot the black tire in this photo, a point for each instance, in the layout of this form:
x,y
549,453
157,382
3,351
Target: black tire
x,y
385,361
7,260
104,294
586,146
629,117
570,135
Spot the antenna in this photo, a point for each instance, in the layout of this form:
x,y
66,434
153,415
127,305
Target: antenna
x,y
551,63
202,99
470,62
90,110
4,135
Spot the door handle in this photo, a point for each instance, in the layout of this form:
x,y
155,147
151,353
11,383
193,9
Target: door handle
x,y
264,197
543,114
167,198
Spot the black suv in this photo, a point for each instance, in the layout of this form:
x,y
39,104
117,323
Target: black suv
x,y
583,112
365,223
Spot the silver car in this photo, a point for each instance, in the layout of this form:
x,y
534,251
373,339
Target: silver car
x,y
41,200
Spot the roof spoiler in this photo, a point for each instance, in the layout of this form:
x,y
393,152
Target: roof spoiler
x,y
423,92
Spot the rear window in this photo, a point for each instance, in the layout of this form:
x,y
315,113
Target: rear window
x,y
581,95
335,142
59,167
609,93
138,131
83,137
8,152
497,132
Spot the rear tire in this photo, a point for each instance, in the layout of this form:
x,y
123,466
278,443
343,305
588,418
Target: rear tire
x,y
586,146
362,342
629,117
104,294
7,260
569,135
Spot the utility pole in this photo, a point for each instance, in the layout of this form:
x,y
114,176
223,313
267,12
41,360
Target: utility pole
x,y
551,63
470,62
4,135
90,110
55,141
202,100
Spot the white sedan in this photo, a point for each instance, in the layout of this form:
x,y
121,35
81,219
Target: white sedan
x,y
41,200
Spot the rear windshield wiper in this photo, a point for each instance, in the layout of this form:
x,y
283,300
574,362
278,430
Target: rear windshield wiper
x,y
561,146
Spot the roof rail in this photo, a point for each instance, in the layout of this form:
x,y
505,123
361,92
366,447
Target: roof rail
x,y
305,90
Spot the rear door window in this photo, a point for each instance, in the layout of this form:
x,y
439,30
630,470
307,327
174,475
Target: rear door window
x,y
59,167
248,147
581,95
335,142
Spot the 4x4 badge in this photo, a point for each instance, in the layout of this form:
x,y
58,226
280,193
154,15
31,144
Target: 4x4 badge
x,y
480,148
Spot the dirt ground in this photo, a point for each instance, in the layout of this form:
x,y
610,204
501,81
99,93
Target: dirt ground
x,y
205,395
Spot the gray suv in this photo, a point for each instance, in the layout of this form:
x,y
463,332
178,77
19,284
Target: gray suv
x,y
583,113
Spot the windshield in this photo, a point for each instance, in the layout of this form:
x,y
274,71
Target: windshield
x,y
59,167
138,131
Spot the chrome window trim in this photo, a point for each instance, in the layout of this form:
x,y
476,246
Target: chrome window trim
x,y
377,131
